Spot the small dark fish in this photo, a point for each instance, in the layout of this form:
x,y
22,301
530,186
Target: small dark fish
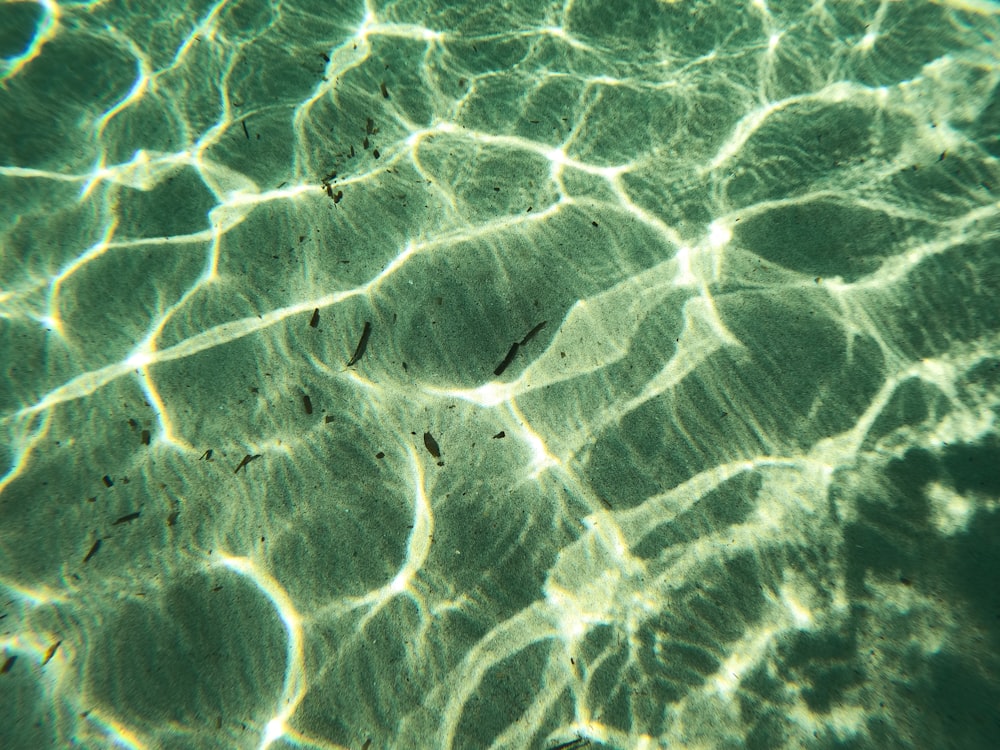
x,y
572,744
362,345
338,196
307,403
107,481
246,459
369,126
50,652
93,550
500,434
511,353
384,90
368,744
8,664
531,334
145,436
245,131
126,519
314,320
431,445
207,455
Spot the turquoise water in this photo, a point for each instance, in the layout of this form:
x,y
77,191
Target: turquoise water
x,y
288,458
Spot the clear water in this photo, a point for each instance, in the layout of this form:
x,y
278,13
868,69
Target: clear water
x,y
740,490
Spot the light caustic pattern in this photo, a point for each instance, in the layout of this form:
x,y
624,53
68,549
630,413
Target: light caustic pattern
x,y
739,490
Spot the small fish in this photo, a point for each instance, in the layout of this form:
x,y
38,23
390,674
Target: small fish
x,y
93,550
50,652
572,744
246,459
126,519
362,345
431,445
511,353
314,320
531,334
8,664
